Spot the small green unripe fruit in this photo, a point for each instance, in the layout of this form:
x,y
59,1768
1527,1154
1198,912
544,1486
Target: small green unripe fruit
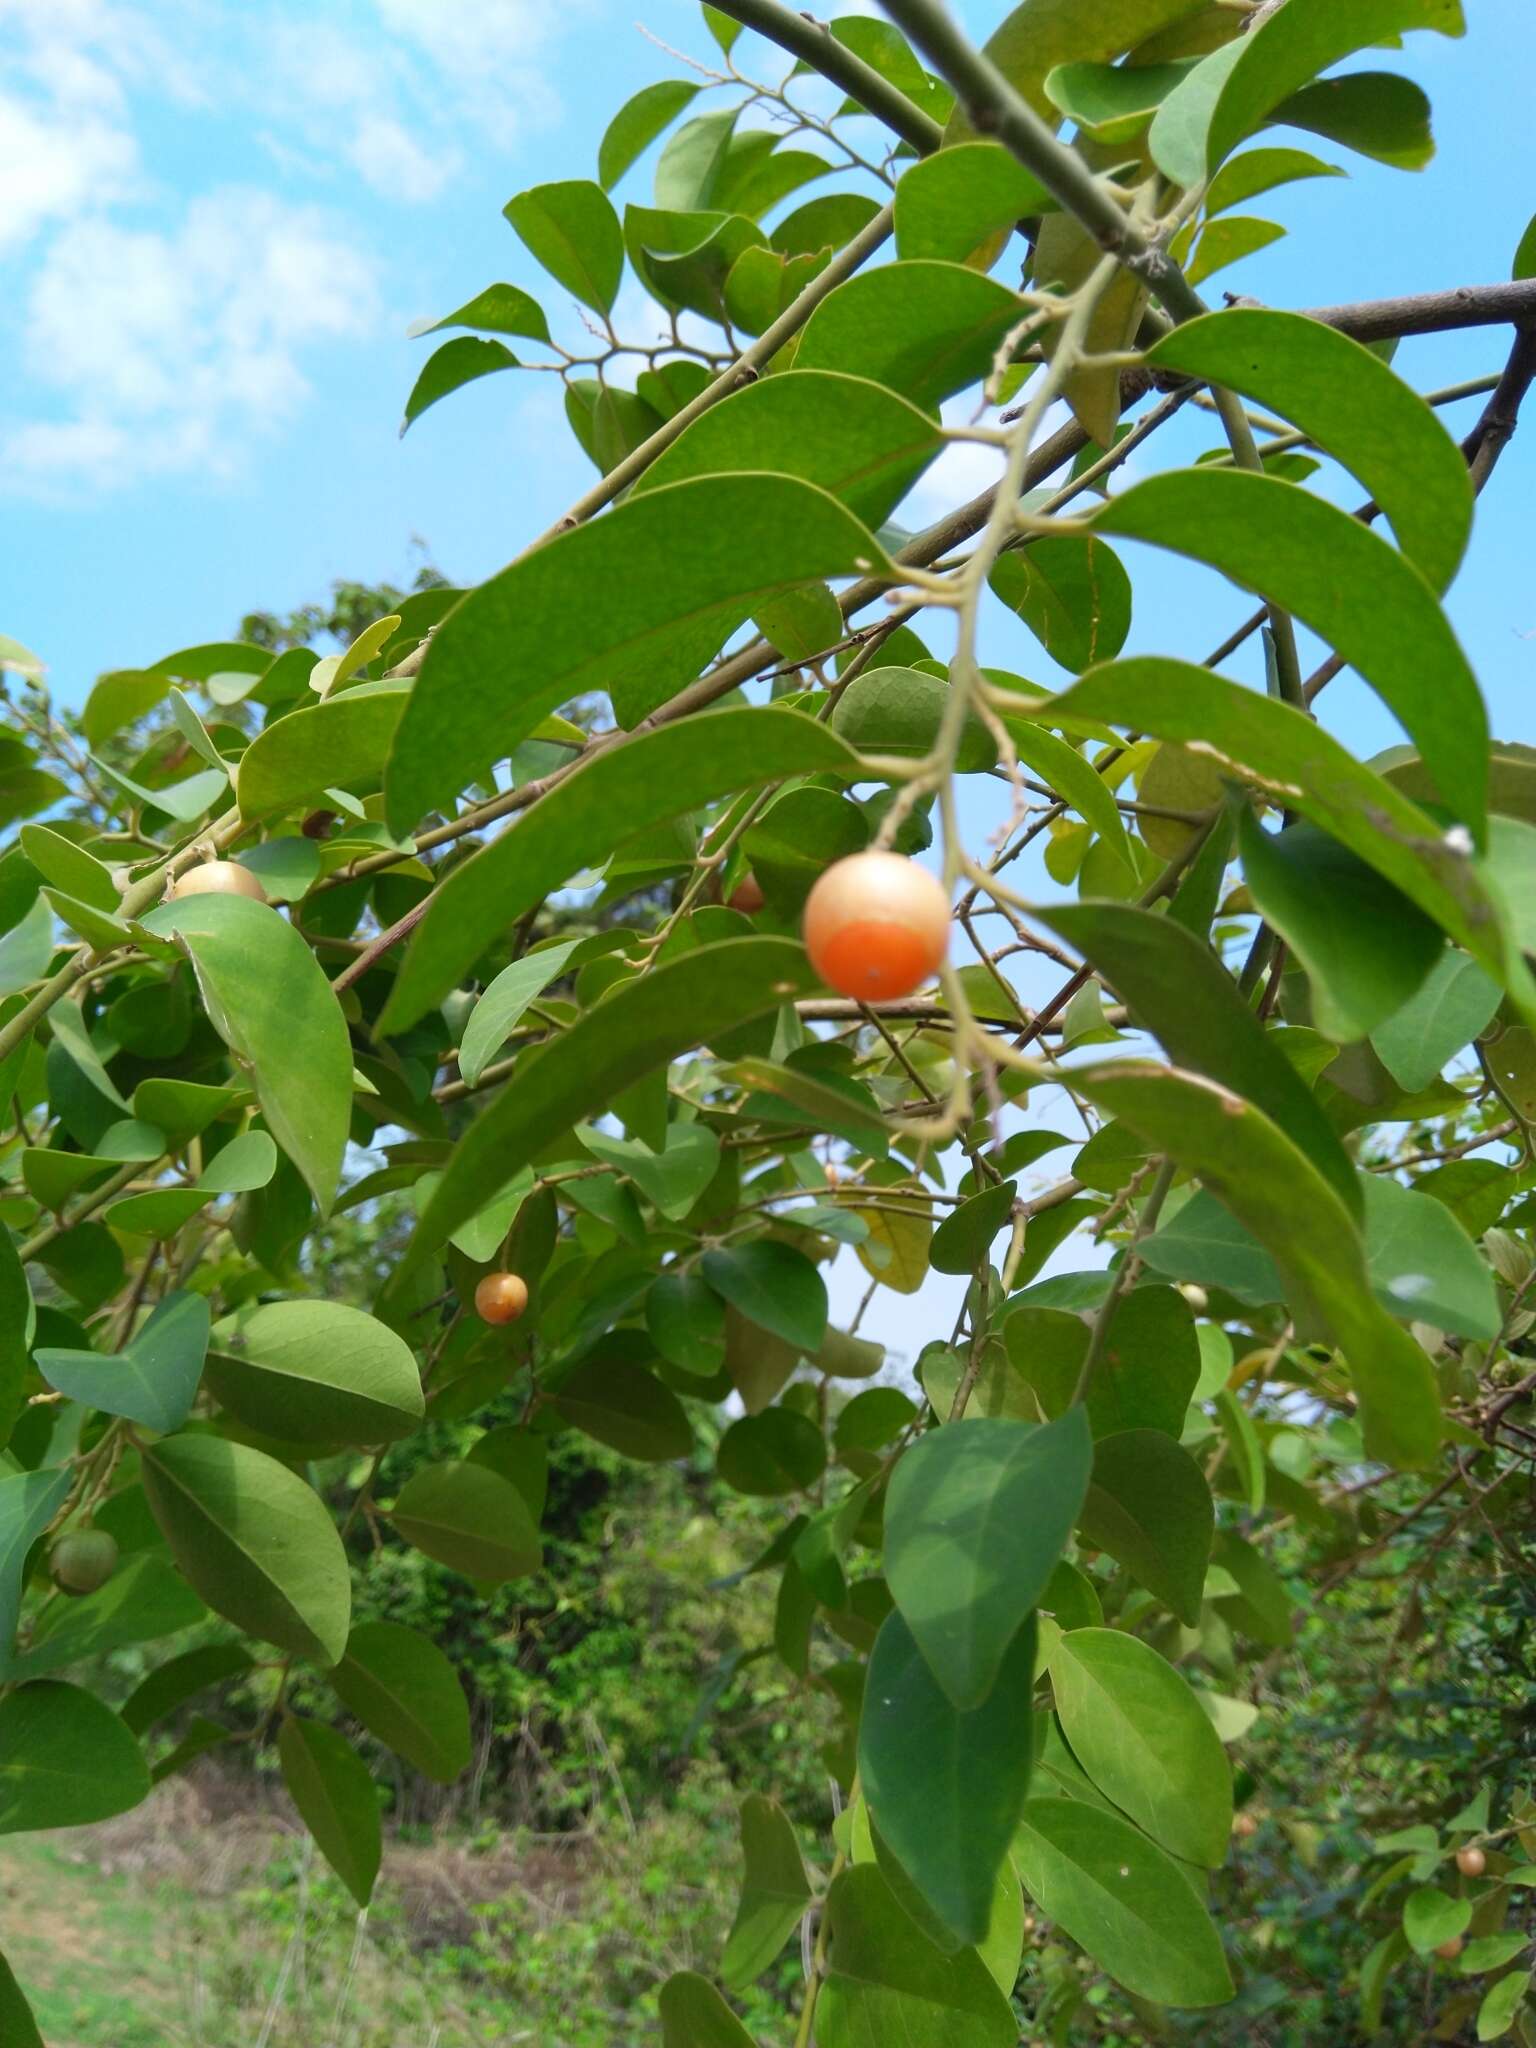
x,y
82,1561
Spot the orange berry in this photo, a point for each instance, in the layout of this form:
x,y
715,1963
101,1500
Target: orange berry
x,y
876,926
1471,1862
1448,1951
501,1297
747,896
219,878
1244,1825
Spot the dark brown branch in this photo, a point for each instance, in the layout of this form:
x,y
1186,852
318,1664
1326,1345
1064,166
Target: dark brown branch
x,y
813,42
1464,305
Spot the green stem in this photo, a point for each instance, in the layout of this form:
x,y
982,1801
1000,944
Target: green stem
x,y
1120,1283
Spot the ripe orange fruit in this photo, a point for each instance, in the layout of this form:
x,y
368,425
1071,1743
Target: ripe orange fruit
x,y
82,1560
1244,1825
1448,1951
747,896
1471,1862
219,878
876,926
501,1297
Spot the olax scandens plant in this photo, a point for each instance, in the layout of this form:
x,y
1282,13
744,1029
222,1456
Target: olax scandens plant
x,y
263,915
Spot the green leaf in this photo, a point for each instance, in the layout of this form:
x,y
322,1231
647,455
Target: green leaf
x,y
1496,2014
626,1408
572,230
896,1250
1291,757
329,1783
1072,593
28,1503
1141,1735
143,1600
964,1238
688,169
171,1685
952,205
316,1372
775,1287
681,567
1146,1377
1037,35
26,949
643,116
636,1029
1125,1901
671,1178
1423,1266
1231,93
775,1892
772,1453
323,746
1269,1185
946,1787
1377,113
471,1519
1178,987
1350,403
1457,1000
1491,1952
1431,1917
267,997
253,1540
499,309
153,1379
693,2014
977,1515
17,2025
1365,947
402,1688
1344,581
889,1983
1148,1505
68,866
618,793
927,330
497,1013
1112,103
686,1321
1074,779
65,1760
864,444
1261,170
1225,242
899,711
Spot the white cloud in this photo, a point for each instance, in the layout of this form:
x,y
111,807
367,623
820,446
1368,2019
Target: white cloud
x,y
394,163
170,350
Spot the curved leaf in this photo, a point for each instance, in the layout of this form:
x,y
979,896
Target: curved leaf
x,y
323,746
927,330
471,1519
316,1372
65,1760
775,1892
329,1784
402,1688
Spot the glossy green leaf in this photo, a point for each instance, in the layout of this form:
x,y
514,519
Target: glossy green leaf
x,y
68,866
643,116
323,746
1378,113
1148,1505
976,1517
693,2014
1423,1266
1230,94
1261,170
28,1503
499,309
1180,990
946,1787
1456,1001
1365,947
1125,1901
1353,405
316,1372
1290,756
899,711
672,1177
267,997
686,1321
329,1783
774,1892
1431,1917
253,1540
171,1685
26,949
963,1240
1072,593
953,203
65,1760
457,363
1345,582
1037,35
1501,2003
925,329
637,1029
626,1408
471,1519
775,1287
1141,1735
153,1379
1146,1375
572,230
854,438
17,2025
889,1983
1112,103
681,566
402,1688
506,999
1269,1185
618,793
772,1453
